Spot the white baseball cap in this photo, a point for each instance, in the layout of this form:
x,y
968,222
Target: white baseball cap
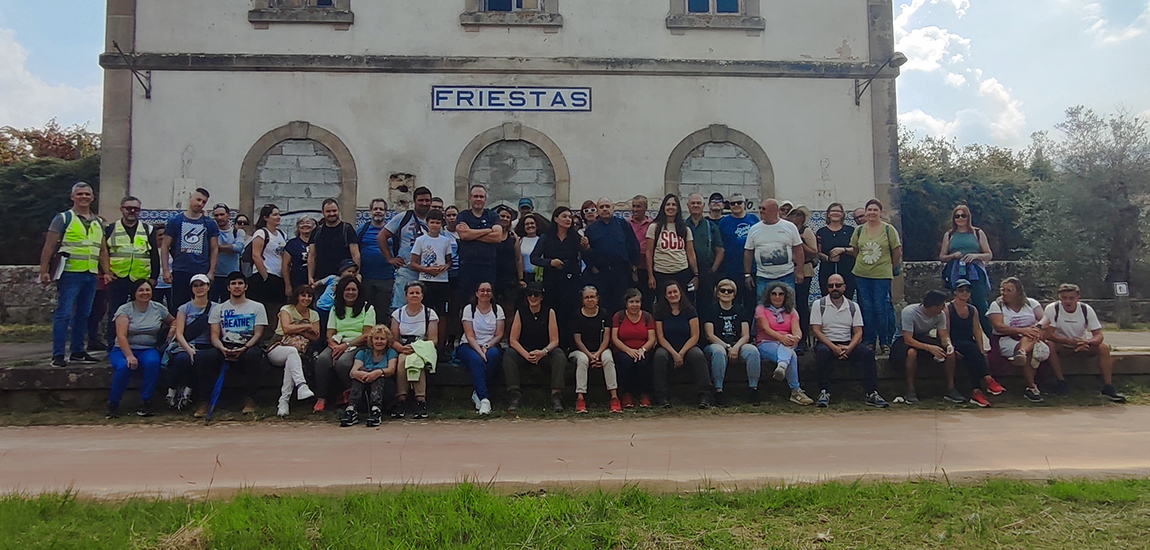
x,y
201,278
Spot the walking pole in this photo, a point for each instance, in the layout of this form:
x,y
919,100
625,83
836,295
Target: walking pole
x,y
216,391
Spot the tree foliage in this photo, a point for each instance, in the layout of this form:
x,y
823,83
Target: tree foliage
x,y
51,141
31,192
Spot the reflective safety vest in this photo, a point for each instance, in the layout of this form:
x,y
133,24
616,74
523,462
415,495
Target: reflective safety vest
x,y
130,256
82,245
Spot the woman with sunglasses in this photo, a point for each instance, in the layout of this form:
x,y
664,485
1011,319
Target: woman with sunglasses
x,y
558,252
677,329
834,243
633,335
966,250
232,239
727,327
670,248
777,333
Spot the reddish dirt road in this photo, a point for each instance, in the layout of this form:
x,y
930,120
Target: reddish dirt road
x,y
732,450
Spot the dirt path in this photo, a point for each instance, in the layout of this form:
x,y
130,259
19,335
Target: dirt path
x,y
677,452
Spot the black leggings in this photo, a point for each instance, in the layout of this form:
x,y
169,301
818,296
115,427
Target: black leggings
x,y
635,377
975,362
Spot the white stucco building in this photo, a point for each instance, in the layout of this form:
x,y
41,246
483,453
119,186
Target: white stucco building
x,y
294,101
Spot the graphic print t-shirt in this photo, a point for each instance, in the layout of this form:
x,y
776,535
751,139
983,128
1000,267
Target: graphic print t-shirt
x,y
432,251
191,248
728,323
238,322
774,247
670,254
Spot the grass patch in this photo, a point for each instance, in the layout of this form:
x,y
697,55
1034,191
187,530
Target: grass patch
x,y
25,334
994,514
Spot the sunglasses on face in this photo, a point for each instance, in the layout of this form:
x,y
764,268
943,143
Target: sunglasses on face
x,y
737,203
534,295
960,216
241,223
130,208
726,291
590,210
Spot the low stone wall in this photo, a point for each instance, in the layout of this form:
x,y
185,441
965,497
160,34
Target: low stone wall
x,y
23,300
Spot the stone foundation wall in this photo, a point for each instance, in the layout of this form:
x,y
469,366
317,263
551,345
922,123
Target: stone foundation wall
x,y
23,300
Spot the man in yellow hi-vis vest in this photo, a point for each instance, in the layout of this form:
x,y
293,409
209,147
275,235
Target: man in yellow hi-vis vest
x,y
133,255
79,233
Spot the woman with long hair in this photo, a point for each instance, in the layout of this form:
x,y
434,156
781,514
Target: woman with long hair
x,y
415,328
530,229
633,336
965,250
298,328
140,324
834,242
1017,321
479,351
677,329
558,252
777,333
348,329
269,276
878,252
800,216
670,248
508,262
295,263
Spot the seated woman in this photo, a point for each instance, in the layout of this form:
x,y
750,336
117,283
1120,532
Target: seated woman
x,y
347,331
534,341
416,328
633,335
592,336
677,329
479,350
777,333
138,326
298,327
373,376
727,327
1016,320
193,334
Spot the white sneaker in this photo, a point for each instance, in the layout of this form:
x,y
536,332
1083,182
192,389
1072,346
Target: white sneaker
x,y
485,406
475,399
282,410
304,392
781,372
171,398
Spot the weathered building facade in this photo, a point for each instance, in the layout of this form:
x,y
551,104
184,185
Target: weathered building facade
x,y
294,101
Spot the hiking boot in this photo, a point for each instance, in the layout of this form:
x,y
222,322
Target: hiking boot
x,y
249,406
349,418
484,407
721,398
83,358
113,411
420,409
580,404
399,410
556,403
513,406
201,411
59,361
303,392
780,372
875,400
185,399
145,410
953,396
911,398
1061,388
320,405
883,350
977,398
171,398
824,399
704,402
798,397
1032,395
1110,393
993,387
374,418
662,402
645,401
754,398
616,406
626,402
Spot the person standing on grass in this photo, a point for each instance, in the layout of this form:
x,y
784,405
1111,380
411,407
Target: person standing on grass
x,y
592,339
133,256
237,328
612,253
483,329
191,240
966,336
877,250
373,377
1017,322
534,341
139,325
837,324
378,273
479,236
1073,330
727,329
79,235
709,251
331,243
232,239
777,333
677,329
397,239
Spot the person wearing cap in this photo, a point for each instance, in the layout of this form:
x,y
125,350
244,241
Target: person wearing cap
x,y
734,228
534,341
613,250
715,205
837,322
917,344
526,206
1073,329
801,217
773,249
193,335
962,318
785,208
237,328
709,251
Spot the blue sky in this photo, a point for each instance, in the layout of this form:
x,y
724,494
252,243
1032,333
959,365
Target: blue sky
x,y
989,71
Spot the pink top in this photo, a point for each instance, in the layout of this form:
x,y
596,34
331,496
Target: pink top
x,y
784,327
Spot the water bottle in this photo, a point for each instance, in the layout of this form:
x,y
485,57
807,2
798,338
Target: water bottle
x,y
962,269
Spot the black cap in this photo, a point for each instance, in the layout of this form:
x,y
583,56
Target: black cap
x,y
716,197
535,288
348,263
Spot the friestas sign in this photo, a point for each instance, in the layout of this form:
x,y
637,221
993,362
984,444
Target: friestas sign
x,y
510,98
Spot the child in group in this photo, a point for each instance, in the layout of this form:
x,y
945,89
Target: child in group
x,y
431,257
326,300
373,375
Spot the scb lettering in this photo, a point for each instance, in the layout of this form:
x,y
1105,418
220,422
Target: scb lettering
x,y
670,240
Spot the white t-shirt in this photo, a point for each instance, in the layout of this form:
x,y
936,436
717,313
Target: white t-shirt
x,y
837,322
238,322
483,325
412,325
1072,325
432,251
274,245
1015,319
774,248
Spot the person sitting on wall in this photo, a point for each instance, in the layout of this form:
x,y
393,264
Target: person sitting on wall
x,y
1017,323
917,344
416,329
777,333
727,327
677,329
1073,329
836,322
138,331
237,328
966,336
373,377
534,341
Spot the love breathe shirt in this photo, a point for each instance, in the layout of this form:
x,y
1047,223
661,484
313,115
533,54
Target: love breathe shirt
x,y
238,322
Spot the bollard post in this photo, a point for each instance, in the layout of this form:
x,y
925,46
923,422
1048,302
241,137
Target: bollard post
x,y
1122,305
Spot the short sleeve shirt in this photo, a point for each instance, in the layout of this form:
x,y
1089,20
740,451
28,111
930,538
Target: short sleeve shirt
x,y
413,325
773,247
432,251
734,233
670,253
412,230
143,326
728,323
238,322
191,248
874,258
1079,324
590,329
484,324
836,322
351,326
677,328
633,335
916,321
781,324
367,356
475,252
297,317
1016,319
332,246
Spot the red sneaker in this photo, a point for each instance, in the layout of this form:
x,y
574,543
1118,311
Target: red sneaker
x,y
977,398
346,397
993,387
616,407
320,405
627,402
645,401
580,405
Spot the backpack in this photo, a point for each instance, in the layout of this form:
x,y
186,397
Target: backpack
x,y
407,340
1081,307
948,269
826,299
397,239
246,257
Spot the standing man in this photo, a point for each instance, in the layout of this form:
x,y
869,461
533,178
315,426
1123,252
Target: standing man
x,y
237,327
709,250
479,236
232,242
331,243
402,232
612,253
715,207
526,206
776,246
437,203
133,255
734,228
378,274
639,225
196,249
80,236
859,216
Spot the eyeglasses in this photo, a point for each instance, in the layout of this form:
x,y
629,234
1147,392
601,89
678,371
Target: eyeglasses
x,y
242,223
726,291
960,216
839,285
130,208
534,295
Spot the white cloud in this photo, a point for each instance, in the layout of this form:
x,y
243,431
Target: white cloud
x,y
919,120
29,101
1009,121
927,47
1106,34
955,80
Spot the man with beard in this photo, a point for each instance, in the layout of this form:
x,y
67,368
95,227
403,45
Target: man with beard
x,y
837,323
402,232
332,242
378,274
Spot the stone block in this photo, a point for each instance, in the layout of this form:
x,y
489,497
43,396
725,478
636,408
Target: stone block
x,y
707,163
727,178
480,175
269,190
324,190
301,204
695,177
307,176
532,163
299,148
332,176
294,191
752,179
320,162
739,165
721,150
275,175
282,161
524,176
537,191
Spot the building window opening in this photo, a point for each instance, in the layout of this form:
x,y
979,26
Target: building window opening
x,y
713,6
513,5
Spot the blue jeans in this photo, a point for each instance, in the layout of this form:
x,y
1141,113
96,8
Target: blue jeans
x,y
717,355
481,370
761,284
149,365
403,276
877,311
73,306
776,352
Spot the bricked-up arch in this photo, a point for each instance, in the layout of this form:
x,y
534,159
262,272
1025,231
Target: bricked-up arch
x,y
300,131
513,131
719,134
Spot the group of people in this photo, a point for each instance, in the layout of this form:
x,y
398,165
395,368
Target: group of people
x,y
366,313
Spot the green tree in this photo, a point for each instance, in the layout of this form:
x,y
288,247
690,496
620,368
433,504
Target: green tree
x,y
31,192
51,141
